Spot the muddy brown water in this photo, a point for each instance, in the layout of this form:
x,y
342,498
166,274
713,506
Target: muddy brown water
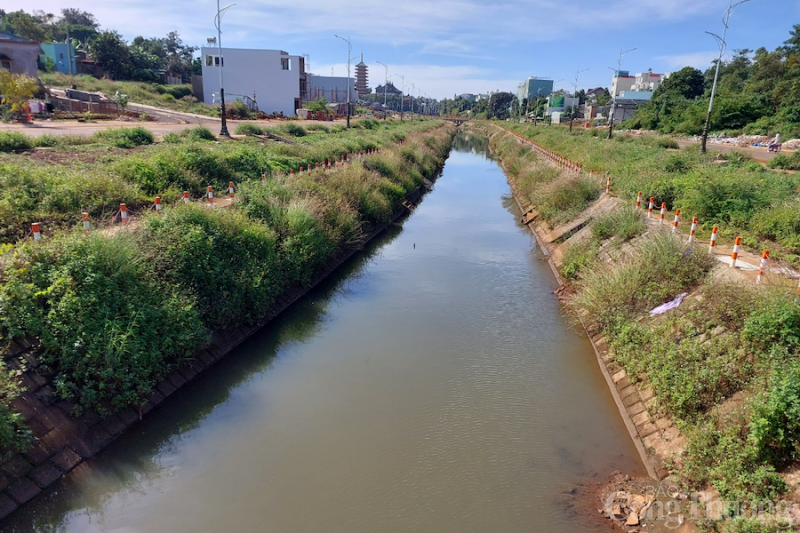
x,y
431,385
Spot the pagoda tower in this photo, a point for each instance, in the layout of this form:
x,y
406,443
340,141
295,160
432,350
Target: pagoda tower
x,y
361,77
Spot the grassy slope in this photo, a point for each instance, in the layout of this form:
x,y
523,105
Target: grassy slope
x,y
114,310
139,92
724,364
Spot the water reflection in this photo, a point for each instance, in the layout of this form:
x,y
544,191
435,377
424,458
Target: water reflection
x,y
431,385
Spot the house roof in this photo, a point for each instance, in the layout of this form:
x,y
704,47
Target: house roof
x,y
15,38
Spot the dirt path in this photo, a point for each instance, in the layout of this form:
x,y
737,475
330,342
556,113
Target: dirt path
x,y
756,152
69,127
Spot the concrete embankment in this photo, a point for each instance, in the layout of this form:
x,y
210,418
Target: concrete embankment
x,y
62,441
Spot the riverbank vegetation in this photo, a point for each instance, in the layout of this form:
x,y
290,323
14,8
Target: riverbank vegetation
x,y
739,194
112,311
723,364
756,94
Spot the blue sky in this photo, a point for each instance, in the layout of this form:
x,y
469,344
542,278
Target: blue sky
x,y
457,46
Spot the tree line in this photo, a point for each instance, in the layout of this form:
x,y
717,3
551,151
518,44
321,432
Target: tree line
x,y
758,93
136,61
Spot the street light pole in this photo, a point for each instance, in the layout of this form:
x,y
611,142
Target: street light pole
x,y
385,82
722,45
614,101
402,88
574,93
223,131
349,51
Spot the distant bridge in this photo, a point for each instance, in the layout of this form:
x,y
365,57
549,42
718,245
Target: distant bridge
x,y
456,120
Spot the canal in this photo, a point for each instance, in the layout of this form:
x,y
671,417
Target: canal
x,y
431,385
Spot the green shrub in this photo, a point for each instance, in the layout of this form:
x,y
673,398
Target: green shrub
x,y
11,141
246,128
775,423
786,162
109,329
780,222
199,133
560,201
577,258
14,435
659,270
172,138
775,322
124,137
623,224
294,129
727,459
228,261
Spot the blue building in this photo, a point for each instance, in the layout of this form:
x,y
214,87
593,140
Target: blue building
x,y
63,56
533,87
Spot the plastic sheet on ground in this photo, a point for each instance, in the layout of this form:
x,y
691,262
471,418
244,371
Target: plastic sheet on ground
x,y
661,309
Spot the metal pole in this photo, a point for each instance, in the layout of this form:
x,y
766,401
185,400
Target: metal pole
x,y
385,82
402,88
574,93
722,45
224,127
349,51
614,101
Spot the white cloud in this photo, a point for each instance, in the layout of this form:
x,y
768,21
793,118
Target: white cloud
x,y
700,60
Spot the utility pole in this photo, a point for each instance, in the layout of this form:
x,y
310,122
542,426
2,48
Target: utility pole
x,y
574,94
722,45
223,131
614,101
402,88
349,51
385,82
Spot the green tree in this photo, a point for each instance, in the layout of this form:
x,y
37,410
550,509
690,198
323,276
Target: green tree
x,y
499,104
17,89
111,53
686,83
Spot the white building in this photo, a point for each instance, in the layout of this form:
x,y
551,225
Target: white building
x,y
273,78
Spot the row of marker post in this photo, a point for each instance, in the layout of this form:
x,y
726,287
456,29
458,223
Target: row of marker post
x,y
575,167
123,208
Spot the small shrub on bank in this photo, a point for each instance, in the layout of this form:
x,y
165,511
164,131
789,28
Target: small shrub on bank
x,y
199,133
245,128
622,224
228,261
109,329
775,423
295,130
658,271
560,201
124,137
786,162
577,258
11,141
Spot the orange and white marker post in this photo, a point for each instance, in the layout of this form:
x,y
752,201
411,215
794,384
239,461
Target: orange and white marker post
x,y
210,196
608,184
86,225
735,254
230,189
123,213
186,197
291,173
677,219
639,200
263,177
692,230
663,211
713,241
37,233
650,207
763,266
158,204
